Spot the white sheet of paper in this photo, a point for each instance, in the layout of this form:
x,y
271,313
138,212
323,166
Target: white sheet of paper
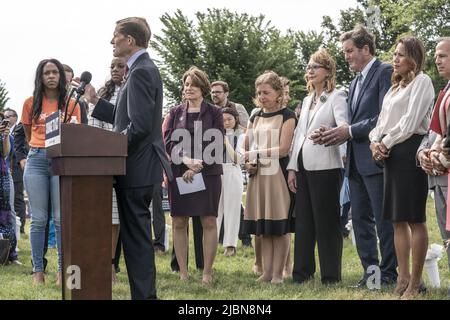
x,y
190,187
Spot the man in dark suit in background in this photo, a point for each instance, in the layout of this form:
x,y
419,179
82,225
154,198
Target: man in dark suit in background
x,y
137,114
365,100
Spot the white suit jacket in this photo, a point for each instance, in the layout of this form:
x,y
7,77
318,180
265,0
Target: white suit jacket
x,y
331,111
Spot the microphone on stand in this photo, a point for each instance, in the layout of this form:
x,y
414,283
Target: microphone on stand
x,y
85,79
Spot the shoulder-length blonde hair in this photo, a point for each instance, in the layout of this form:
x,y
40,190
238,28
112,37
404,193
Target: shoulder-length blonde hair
x,y
273,80
323,58
415,56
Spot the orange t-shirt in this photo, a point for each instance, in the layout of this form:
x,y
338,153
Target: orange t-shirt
x,y
38,127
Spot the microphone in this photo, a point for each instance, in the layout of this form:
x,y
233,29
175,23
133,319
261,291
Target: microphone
x,y
85,79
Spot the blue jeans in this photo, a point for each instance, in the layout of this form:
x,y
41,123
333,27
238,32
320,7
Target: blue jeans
x,y
40,186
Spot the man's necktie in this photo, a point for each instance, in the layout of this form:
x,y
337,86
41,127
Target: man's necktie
x,y
359,82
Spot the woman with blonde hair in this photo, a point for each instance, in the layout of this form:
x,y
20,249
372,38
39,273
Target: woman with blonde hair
x,y
267,143
315,175
403,121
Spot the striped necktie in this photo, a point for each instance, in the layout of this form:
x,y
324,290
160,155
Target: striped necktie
x,y
447,87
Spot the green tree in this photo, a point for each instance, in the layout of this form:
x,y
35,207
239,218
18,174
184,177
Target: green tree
x,y
426,19
306,43
348,19
3,96
228,46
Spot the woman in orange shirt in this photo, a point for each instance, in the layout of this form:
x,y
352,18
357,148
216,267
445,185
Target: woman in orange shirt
x,y
49,96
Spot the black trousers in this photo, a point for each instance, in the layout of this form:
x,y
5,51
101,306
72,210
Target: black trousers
x,y
366,198
159,221
318,220
198,246
116,260
136,235
246,238
19,204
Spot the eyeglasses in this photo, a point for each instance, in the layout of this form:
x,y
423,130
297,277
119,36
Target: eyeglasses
x,y
314,67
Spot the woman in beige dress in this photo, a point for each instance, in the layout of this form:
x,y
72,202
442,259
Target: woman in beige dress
x,y
268,139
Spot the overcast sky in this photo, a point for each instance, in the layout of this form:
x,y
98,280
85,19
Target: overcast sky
x,y
79,35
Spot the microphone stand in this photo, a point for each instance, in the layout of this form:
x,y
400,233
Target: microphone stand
x,y
75,104
67,104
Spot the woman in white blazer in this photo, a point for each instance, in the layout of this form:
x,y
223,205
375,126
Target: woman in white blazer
x,y
315,174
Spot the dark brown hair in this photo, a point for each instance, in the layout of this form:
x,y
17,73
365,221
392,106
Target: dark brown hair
x,y
223,84
234,113
360,37
68,69
415,55
199,79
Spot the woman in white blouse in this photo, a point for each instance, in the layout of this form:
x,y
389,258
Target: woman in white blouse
x,y
404,119
315,175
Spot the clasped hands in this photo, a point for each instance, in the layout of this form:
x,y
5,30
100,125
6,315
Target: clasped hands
x,y
430,163
194,167
379,151
250,162
330,136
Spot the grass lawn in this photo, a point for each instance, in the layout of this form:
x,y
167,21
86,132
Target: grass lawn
x,y
232,278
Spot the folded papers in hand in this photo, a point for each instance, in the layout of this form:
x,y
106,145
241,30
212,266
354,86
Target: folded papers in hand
x,y
197,184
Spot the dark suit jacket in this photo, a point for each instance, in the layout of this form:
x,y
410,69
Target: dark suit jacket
x,y
211,117
83,111
138,114
365,116
19,153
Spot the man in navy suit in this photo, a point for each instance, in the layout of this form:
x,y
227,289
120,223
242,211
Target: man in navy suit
x,y
137,114
365,100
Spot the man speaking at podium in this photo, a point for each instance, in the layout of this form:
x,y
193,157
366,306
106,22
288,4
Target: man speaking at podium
x,y
137,114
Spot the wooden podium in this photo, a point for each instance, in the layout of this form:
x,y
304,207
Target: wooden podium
x,y
86,158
